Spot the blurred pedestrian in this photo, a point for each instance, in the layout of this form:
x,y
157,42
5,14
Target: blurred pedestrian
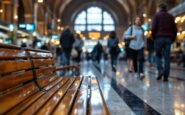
x,y
113,49
136,45
66,42
97,52
164,32
44,46
78,45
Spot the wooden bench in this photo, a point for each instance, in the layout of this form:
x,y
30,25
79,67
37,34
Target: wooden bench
x,y
29,85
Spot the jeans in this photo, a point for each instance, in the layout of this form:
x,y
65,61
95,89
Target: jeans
x,y
67,53
163,47
138,60
151,56
114,59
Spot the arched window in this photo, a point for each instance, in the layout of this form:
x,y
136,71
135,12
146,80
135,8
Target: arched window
x,y
94,19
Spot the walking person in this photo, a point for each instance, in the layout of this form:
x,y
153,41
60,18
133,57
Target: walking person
x,y
66,41
164,32
97,52
78,45
113,49
135,34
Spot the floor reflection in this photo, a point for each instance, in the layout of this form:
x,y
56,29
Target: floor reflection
x,y
146,96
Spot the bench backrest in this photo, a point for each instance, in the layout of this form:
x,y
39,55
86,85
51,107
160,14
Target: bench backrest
x,y
15,67
21,66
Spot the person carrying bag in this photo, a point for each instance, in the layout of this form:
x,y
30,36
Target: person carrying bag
x,y
136,45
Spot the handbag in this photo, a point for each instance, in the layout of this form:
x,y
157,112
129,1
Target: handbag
x,y
74,53
127,41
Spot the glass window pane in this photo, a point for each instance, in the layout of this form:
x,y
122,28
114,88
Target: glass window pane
x,y
96,21
79,27
81,18
108,27
107,19
94,28
94,10
94,15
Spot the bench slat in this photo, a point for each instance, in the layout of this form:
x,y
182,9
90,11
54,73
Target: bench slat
x,y
80,104
13,66
40,55
54,101
25,104
13,98
13,80
44,71
66,104
39,103
42,62
12,53
97,105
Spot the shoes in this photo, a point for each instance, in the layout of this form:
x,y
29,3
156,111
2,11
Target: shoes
x,y
141,76
114,69
165,79
160,76
130,71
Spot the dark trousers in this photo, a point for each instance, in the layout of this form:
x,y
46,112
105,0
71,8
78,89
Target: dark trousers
x,y
163,47
113,59
138,60
67,52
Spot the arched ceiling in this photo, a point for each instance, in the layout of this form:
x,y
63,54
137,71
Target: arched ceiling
x,y
123,10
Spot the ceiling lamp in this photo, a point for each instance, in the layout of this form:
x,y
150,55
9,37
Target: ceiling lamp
x,y
40,1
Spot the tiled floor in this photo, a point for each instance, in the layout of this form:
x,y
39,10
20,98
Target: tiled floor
x,y
125,94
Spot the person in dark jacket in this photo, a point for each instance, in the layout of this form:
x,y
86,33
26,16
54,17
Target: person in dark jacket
x,y
44,46
164,32
113,49
66,41
97,52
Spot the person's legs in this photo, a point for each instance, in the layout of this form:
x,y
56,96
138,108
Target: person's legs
x,y
134,59
149,56
183,59
129,58
129,62
167,48
68,55
159,48
113,61
141,60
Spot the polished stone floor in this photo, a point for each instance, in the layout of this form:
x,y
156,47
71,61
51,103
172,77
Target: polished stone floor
x,y
125,94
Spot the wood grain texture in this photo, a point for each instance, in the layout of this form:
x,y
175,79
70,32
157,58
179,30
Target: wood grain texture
x,y
14,80
11,99
12,54
18,109
13,66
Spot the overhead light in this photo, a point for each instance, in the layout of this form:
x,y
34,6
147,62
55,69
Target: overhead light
x,y
144,15
58,20
16,17
149,20
40,1
58,27
1,10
